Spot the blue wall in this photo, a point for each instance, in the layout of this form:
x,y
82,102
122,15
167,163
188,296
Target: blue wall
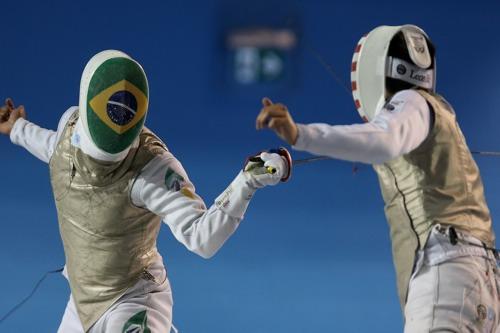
x,y
312,255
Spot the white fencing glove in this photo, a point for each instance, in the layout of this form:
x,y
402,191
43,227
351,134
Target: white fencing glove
x,y
263,169
268,168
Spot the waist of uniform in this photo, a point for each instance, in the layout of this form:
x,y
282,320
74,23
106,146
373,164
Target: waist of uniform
x,y
447,242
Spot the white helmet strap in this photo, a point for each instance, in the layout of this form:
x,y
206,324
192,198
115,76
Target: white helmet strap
x,y
405,71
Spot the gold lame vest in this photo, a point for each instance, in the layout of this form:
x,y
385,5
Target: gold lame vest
x,y
108,242
438,182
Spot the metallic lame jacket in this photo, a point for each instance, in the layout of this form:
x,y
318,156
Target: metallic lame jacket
x,y
108,242
438,182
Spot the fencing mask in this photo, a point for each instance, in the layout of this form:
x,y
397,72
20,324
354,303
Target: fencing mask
x,y
389,59
113,101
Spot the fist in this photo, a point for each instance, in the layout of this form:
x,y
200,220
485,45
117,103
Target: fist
x,y
268,168
277,118
8,116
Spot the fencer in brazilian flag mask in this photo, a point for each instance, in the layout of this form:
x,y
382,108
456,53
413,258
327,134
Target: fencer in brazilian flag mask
x,y
114,182
113,102
439,221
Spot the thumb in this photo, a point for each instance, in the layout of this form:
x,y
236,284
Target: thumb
x,y
265,156
266,101
14,114
22,112
17,113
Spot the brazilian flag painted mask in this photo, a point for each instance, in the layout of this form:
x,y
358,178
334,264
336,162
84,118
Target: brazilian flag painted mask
x,y
113,100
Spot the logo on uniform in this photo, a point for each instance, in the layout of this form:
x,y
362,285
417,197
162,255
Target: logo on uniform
x,y
418,43
389,107
482,312
177,183
138,323
401,69
173,181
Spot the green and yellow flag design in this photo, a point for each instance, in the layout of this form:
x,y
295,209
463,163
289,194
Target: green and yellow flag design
x,y
138,323
117,103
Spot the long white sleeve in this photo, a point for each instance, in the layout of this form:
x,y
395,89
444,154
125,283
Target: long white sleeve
x,y
202,231
38,141
397,129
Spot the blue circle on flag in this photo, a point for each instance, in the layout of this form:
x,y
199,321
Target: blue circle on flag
x,y
122,107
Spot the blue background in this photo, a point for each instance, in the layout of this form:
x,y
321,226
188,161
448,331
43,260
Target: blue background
x,y
312,255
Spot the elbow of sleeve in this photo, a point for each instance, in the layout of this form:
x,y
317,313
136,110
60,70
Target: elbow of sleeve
x,y
204,253
207,256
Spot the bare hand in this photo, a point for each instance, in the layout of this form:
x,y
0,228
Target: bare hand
x,y
277,118
8,116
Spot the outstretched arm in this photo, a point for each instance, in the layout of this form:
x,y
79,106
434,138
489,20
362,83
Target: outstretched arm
x,y
395,131
38,141
163,188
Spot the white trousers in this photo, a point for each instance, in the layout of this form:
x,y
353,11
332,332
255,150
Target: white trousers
x,y
145,308
454,288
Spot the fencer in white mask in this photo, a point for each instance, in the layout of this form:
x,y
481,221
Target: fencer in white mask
x,y
114,182
440,225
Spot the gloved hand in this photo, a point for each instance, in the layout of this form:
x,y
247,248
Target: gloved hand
x,y
266,168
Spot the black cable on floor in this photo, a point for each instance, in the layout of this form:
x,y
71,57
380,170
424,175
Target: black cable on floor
x,y
20,304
